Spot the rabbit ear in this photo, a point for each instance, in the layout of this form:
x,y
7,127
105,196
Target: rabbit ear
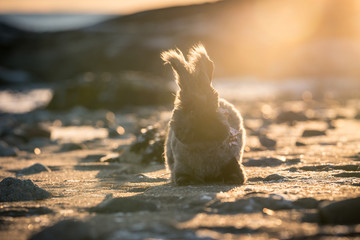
x,y
200,62
178,63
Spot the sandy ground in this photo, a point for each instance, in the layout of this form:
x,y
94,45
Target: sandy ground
x,y
326,168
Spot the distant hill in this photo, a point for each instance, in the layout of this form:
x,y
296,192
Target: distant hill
x,y
51,22
270,39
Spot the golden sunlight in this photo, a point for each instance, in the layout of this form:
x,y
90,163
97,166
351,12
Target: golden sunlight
x,y
179,119
293,38
89,6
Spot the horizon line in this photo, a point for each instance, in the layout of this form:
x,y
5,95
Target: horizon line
x,y
115,10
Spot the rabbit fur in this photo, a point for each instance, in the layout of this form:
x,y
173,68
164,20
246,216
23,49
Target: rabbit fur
x,y
205,136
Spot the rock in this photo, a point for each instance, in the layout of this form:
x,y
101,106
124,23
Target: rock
x,y
23,211
14,76
111,91
71,147
9,33
154,151
13,189
348,167
317,168
38,143
341,212
12,140
154,230
142,140
36,168
291,116
357,116
307,203
28,132
260,201
256,179
267,142
331,124
313,133
93,158
299,144
6,150
129,156
311,217
113,157
273,177
252,204
67,229
264,162
340,116
293,161
117,131
356,156
348,175
149,144
125,204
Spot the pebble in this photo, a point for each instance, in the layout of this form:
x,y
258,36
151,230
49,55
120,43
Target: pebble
x,y
299,144
30,131
93,158
6,150
256,179
348,175
273,177
206,198
33,169
264,162
341,212
266,141
331,124
291,116
142,140
69,229
71,147
24,211
293,161
149,144
252,204
313,133
125,204
307,203
13,189
349,167
316,168
113,157
357,116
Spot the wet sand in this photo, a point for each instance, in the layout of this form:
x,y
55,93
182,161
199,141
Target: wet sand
x,y
315,162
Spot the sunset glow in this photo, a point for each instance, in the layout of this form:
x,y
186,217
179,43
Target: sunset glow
x,y
179,119
92,6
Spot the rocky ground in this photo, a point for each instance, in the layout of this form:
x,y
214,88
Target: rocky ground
x,y
95,174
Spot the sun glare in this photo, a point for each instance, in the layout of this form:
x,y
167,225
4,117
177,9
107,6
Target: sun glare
x,y
279,39
92,6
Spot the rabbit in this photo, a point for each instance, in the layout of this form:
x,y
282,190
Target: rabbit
x,y
205,136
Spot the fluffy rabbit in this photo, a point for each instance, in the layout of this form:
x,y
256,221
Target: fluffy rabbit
x,y
205,137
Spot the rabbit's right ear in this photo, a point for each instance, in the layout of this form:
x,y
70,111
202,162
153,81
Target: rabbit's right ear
x,y
178,63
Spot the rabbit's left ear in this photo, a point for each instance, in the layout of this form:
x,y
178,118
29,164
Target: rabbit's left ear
x,y
201,63
176,59
179,65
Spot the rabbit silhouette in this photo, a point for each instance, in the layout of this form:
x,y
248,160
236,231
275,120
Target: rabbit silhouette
x,y
205,136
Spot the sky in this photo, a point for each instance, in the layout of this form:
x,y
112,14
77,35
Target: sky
x,y
88,6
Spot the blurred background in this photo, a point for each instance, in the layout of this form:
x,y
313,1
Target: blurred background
x,y
105,54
